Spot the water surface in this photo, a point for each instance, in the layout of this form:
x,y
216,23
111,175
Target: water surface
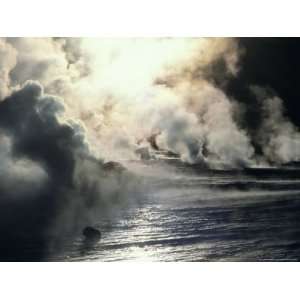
x,y
189,214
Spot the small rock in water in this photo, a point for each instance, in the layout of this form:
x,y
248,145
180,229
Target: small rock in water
x,y
114,166
91,233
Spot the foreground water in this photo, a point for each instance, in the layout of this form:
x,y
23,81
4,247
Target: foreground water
x,y
189,214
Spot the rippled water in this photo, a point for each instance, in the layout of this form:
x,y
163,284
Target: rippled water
x,y
189,214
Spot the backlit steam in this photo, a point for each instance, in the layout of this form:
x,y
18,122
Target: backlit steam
x,y
126,90
158,85
123,89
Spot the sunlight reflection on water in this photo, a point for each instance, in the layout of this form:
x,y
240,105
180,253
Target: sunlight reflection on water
x,y
188,220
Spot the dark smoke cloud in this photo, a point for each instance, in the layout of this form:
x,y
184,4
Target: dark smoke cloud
x,y
31,119
61,188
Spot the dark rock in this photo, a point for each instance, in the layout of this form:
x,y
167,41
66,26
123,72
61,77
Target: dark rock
x,y
113,166
143,153
152,141
91,233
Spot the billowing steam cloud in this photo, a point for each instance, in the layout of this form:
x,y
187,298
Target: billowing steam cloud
x,y
278,137
125,91
111,98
